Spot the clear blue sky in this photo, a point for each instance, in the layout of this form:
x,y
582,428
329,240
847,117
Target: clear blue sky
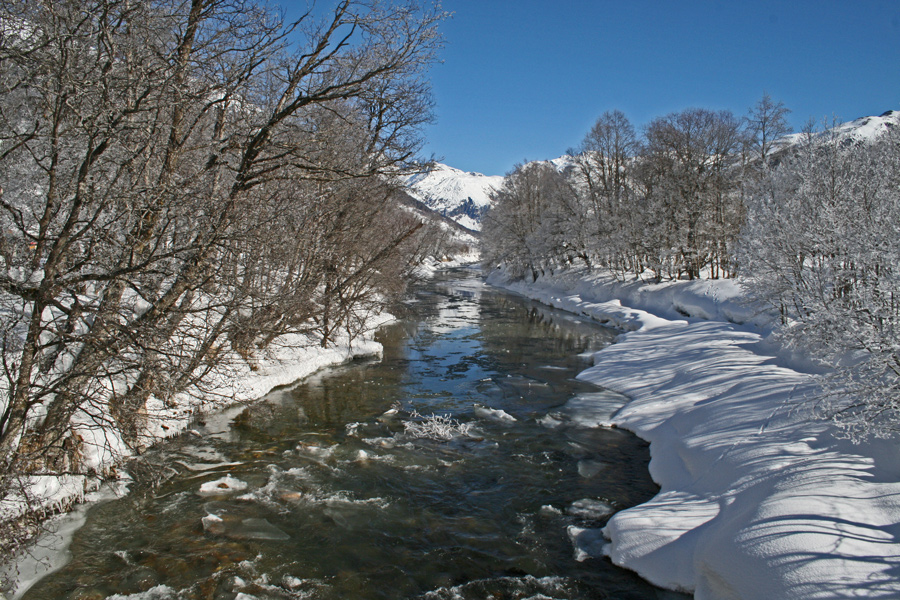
x,y
525,79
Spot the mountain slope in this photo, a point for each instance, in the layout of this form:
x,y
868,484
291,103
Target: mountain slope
x,y
864,129
461,196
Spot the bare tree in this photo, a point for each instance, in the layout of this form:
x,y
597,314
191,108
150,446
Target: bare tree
x,y
766,122
688,158
157,157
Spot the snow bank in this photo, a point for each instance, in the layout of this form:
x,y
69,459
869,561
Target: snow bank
x,y
289,359
758,499
637,305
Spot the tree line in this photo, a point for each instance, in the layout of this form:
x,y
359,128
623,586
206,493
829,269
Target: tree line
x,y
669,203
811,225
186,180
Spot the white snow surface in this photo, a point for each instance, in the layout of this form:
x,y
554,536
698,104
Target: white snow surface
x,y
445,189
759,499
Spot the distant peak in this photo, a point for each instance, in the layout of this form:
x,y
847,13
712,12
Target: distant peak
x,y
460,195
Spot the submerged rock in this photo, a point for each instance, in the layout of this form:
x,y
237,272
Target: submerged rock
x,y
257,529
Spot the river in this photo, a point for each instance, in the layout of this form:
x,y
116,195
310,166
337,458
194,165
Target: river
x,y
453,467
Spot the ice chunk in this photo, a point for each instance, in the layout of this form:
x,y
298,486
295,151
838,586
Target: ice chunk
x,y
257,529
213,524
587,508
224,485
589,543
550,422
494,414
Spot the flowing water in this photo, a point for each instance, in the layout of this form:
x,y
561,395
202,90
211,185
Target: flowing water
x,y
451,468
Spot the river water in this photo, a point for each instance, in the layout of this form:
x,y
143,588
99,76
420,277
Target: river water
x,y
454,467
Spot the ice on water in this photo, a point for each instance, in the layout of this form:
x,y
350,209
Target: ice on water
x,y
589,508
223,485
494,414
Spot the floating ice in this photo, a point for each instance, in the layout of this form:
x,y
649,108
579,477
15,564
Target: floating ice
x,y
381,442
389,414
550,422
160,592
316,450
213,524
494,414
588,543
225,485
586,508
257,529
590,468
206,466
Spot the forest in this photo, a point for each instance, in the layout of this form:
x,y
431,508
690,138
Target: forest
x,y
184,183
808,223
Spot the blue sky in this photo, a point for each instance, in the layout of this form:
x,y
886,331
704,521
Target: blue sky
x,y
525,79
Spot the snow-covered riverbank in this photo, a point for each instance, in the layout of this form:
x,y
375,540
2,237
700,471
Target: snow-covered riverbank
x,y
759,499
286,361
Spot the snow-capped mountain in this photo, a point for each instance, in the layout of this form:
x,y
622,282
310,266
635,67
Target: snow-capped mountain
x,y
863,129
461,196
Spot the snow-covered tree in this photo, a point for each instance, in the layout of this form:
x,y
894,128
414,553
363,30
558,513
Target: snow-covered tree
x,y
822,245
604,181
525,228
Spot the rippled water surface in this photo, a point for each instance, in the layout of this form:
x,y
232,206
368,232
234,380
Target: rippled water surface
x,y
449,469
